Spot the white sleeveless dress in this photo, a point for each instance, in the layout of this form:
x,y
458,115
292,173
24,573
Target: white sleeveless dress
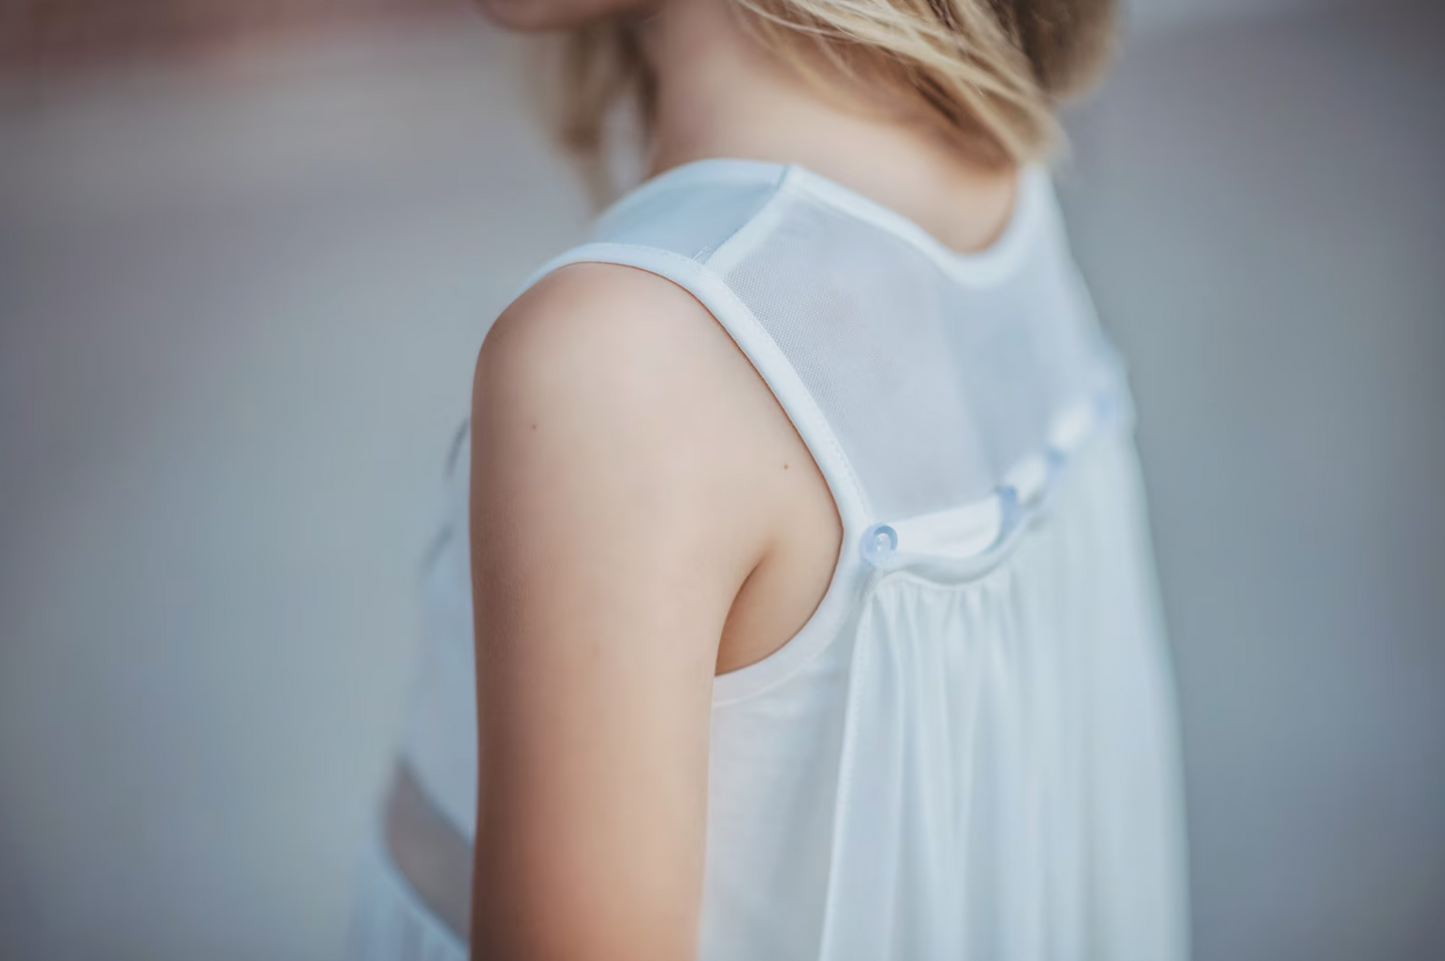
x,y
970,749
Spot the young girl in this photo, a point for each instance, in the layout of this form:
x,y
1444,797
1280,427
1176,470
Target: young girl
x,y
799,603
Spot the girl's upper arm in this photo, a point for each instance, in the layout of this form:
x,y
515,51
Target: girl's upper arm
x,y
615,512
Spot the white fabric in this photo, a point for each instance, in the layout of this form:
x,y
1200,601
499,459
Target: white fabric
x,y
969,751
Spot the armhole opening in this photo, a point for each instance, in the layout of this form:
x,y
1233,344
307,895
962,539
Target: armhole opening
x,y
829,618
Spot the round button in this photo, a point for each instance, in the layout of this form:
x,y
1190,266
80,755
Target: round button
x,y
879,541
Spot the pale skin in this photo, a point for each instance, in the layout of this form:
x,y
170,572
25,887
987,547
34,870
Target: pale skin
x,y
644,516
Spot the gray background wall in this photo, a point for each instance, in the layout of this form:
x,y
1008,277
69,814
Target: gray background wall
x,y
1261,214
239,305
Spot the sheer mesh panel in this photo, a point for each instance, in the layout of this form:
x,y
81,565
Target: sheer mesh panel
x,y
934,387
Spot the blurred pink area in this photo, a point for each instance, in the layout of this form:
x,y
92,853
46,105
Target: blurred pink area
x,y
49,35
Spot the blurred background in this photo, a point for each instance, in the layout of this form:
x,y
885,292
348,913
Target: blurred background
x,y
247,254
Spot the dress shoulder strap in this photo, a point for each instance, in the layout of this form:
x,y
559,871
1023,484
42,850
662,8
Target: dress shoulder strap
x,y
680,226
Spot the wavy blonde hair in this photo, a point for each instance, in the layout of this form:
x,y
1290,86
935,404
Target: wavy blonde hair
x,y
987,74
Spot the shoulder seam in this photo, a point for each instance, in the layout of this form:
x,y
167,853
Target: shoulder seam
x,y
707,257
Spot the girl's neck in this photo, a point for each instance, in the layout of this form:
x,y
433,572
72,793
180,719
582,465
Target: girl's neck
x,y
720,95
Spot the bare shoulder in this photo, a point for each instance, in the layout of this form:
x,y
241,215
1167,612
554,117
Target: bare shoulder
x,y
627,380
573,299
614,334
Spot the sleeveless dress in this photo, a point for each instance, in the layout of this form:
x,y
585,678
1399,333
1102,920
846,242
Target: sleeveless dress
x,y
970,749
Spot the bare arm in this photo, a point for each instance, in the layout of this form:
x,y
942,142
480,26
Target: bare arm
x,y
614,516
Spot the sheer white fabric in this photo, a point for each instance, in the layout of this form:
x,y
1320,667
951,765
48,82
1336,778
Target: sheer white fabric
x,y
969,751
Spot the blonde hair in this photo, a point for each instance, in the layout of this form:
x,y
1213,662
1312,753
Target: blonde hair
x,y
987,74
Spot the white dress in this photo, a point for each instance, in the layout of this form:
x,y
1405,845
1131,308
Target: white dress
x,y
970,749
